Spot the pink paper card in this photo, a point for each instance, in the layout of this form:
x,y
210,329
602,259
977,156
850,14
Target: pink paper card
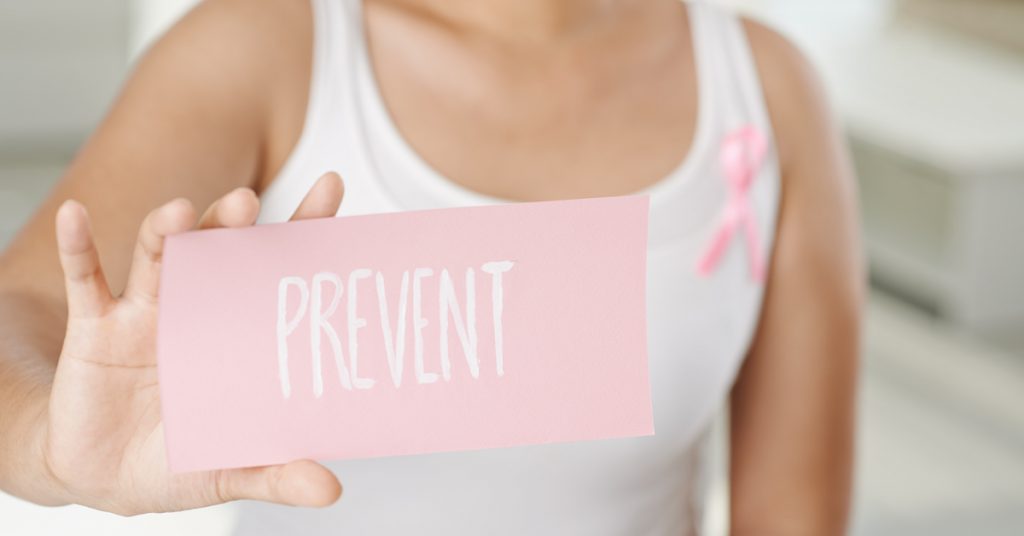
x,y
405,333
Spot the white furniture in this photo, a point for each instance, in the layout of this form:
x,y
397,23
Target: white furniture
x,y
936,122
937,125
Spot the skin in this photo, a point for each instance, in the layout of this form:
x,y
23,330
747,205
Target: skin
x,y
214,109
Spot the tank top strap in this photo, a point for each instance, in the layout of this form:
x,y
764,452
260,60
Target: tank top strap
x,y
726,61
332,59
724,56
331,135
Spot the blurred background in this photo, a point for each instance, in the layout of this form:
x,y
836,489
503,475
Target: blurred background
x,y
931,93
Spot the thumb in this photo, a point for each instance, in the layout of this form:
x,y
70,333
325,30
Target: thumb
x,y
299,483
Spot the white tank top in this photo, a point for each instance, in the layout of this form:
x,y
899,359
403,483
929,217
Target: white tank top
x,y
699,327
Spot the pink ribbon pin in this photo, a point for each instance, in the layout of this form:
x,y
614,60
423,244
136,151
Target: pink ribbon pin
x,y
741,156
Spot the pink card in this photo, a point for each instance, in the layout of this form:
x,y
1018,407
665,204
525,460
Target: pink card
x,y
406,333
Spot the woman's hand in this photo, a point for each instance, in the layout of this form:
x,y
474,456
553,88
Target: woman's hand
x,y
103,438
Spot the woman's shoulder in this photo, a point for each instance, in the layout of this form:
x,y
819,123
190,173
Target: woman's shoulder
x,y
250,59
793,93
817,224
250,36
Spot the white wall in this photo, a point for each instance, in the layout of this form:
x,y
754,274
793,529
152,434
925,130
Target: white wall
x,y
60,64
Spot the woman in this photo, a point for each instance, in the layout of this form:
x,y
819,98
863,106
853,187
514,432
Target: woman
x,y
431,103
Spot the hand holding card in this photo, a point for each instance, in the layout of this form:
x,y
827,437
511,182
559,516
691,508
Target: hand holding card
x,y
101,441
405,333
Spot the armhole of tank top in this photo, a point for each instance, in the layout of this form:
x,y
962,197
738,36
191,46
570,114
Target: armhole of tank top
x,y
743,102
320,49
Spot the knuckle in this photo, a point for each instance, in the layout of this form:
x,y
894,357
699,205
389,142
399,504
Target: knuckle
x,y
222,487
151,247
276,477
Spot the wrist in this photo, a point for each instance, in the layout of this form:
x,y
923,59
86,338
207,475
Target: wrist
x,y
25,471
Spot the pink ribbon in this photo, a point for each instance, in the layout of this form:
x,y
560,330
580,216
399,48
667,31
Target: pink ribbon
x,y
741,156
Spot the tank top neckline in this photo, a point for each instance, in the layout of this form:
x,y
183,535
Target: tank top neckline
x,y
392,144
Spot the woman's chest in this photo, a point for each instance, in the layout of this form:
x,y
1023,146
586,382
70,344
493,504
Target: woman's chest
x,y
562,122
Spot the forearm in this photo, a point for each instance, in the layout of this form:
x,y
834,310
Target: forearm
x,y
31,332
